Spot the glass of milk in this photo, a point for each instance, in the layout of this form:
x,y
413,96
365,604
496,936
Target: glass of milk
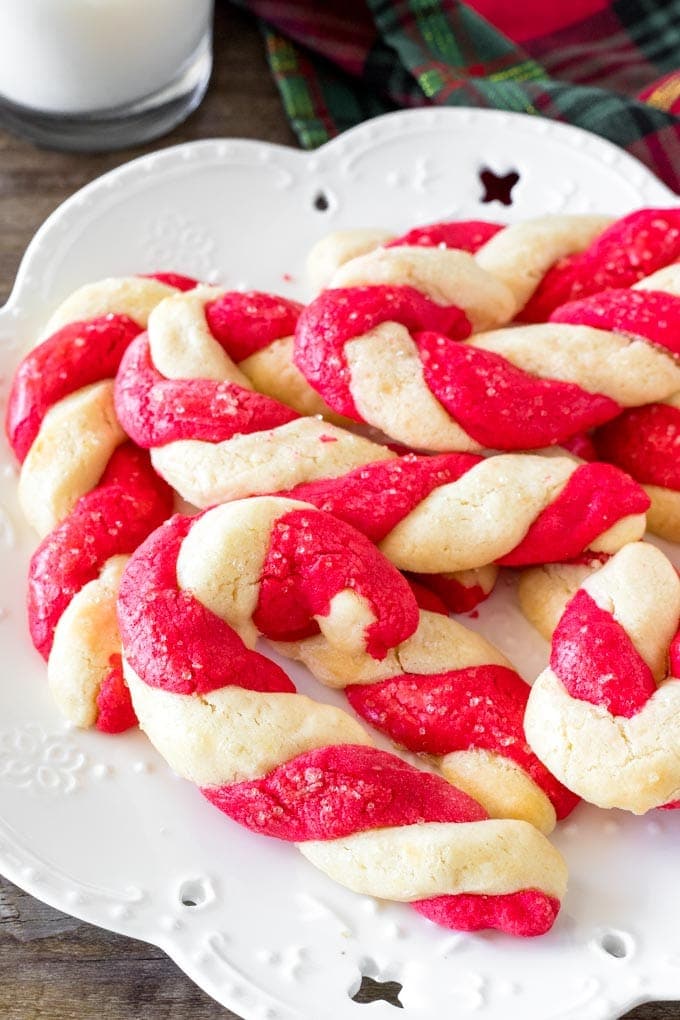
x,y
101,74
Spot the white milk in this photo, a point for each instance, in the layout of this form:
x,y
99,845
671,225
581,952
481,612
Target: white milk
x,y
76,56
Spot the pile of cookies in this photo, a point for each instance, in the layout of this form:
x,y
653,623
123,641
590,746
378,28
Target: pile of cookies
x,y
461,399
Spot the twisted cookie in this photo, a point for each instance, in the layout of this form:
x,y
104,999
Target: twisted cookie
x,y
545,262
92,498
486,754
374,361
645,441
445,278
229,720
61,422
633,247
458,512
518,255
73,585
214,440
212,437
604,716
448,693
252,329
521,388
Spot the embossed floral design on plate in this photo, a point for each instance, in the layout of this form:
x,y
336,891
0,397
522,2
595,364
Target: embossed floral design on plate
x,y
43,762
98,826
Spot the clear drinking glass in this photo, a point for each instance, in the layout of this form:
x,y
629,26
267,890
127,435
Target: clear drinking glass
x,y
101,74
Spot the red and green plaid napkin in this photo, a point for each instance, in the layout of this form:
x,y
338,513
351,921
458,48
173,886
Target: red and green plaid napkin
x,y
610,67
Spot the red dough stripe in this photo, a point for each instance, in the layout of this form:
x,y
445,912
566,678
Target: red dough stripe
x,y
645,441
171,639
336,791
581,445
79,354
595,497
466,235
527,913
501,406
376,497
633,247
652,314
456,596
311,558
244,323
115,713
154,410
426,597
129,502
342,314
175,280
476,707
675,656
596,661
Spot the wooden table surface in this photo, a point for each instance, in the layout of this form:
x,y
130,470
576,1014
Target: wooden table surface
x,y
53,967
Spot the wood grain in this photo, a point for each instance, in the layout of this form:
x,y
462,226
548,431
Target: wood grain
x,y
53,967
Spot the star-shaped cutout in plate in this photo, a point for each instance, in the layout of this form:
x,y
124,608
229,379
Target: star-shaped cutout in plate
x,y
498,188
372,990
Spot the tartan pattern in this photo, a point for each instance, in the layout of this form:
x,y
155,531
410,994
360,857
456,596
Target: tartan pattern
x,y
310,91
338,63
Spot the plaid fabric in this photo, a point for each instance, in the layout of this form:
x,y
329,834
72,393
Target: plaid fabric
x,y
609,67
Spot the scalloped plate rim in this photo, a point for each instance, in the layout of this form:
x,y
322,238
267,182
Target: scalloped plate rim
x,y
340,142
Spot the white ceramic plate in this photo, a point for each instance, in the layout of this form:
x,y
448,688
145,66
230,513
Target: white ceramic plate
x,y
98,827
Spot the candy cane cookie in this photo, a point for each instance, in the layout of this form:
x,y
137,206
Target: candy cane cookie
x,y
229,720
89,493
211,436
448,693
61,422
213,439
341,246
645,441
73,585
253,329
546,261
509,783
459,512
520,254
603,717
522,388
633,247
